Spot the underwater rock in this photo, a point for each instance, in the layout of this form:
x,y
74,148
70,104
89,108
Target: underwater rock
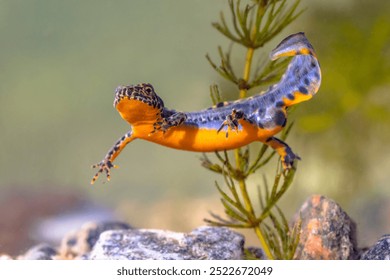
x,y
203,243
80,242
40,252
327,232
380,251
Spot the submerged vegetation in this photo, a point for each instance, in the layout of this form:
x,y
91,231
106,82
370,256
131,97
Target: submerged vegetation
x,y
252,25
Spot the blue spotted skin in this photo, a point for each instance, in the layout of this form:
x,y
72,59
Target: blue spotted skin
x,y
256,118
267,110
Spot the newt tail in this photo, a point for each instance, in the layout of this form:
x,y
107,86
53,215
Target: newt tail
x,y
228,125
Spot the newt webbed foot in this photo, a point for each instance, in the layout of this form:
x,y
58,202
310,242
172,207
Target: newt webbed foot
x,y
103,166
288,159
231,121
287,156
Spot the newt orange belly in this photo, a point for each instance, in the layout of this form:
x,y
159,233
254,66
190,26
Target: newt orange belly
x,y
205,140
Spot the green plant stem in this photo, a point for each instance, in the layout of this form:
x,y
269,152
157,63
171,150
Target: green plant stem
x,y
246,199
251,218
254,224
251,50
264,244
242,94
251,32
247,70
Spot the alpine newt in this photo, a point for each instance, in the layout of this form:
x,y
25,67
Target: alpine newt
x,y
227,125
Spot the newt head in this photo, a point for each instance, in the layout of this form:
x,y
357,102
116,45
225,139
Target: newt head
x,y
138,103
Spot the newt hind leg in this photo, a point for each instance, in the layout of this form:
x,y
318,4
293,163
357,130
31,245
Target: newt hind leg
x,y
286,154
106,164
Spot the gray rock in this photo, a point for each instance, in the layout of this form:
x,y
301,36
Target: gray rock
x,y
327,232
211,243
40,252
80,242
255,253
380,251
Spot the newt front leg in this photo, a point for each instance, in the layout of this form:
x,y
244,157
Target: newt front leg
x,y
106,164
163,124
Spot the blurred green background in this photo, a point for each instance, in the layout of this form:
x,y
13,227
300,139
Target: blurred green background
x,y
60,62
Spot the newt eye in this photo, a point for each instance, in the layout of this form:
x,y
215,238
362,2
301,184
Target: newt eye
x,y
148,89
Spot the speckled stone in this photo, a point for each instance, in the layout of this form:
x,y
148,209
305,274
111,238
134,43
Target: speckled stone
x,y
256,253
80,242
380,251
40,252
327,232
211,243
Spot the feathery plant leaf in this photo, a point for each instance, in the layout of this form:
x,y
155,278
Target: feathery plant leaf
x,y
252,24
